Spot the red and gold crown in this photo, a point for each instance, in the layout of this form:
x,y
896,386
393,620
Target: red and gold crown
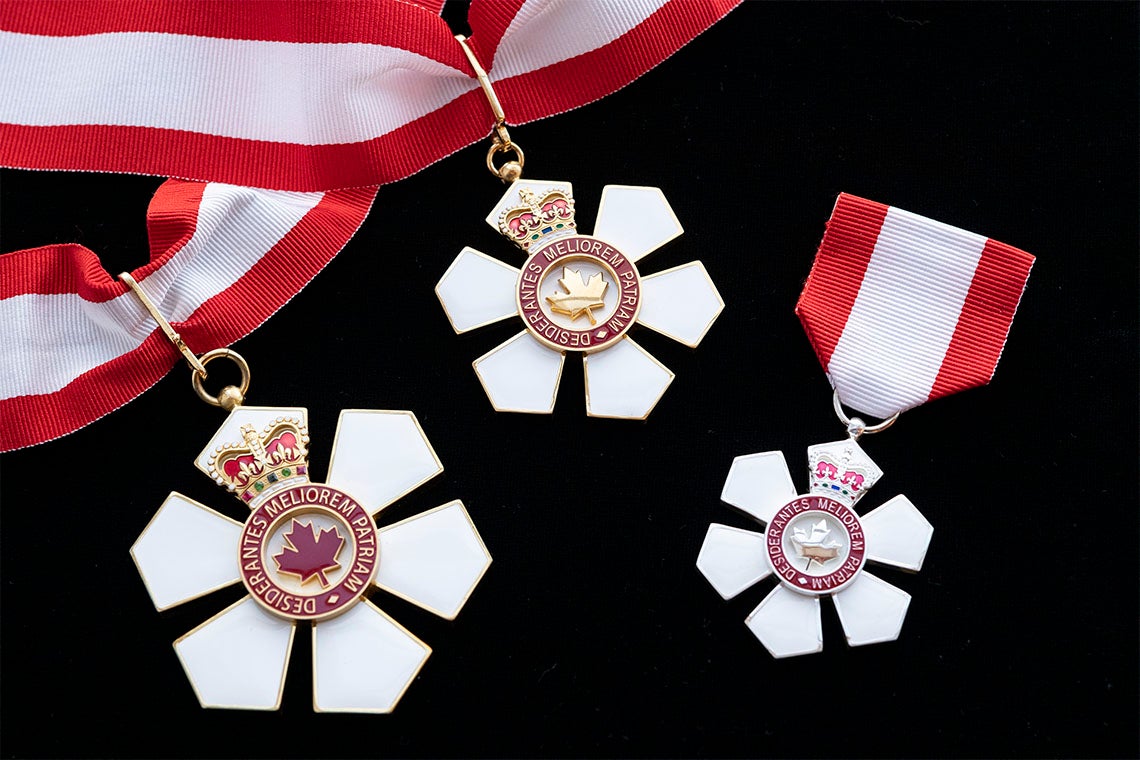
x,y
263,462
537,217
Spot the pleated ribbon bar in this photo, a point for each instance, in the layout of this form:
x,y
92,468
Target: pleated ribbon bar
x,y
902,309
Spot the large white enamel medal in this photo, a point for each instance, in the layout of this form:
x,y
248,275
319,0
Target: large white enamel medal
x,y
310,552
816,545
579,293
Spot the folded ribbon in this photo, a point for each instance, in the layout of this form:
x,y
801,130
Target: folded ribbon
x,y
78,344
304,94
902,309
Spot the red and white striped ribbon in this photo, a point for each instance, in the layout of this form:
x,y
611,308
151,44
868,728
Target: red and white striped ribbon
x,y
902,309
304,94
78,344
293,95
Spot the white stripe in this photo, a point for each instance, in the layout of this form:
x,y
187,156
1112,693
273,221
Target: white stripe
x,y
300,93
903,319
49,340
545,32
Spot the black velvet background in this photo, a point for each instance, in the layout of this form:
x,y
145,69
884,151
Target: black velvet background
x,y
593,634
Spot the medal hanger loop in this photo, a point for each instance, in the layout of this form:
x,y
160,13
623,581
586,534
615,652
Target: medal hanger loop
x,y
501,140
856,427
230,396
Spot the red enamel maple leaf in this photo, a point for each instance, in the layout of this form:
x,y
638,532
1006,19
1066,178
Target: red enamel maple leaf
x,y
308,553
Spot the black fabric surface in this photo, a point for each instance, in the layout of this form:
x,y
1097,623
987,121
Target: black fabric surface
x,y
593,634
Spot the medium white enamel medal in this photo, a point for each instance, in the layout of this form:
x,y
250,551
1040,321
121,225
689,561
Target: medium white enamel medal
x,y
900,309
575,293
307,552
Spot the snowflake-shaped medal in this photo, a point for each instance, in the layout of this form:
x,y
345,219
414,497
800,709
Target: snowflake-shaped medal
x,y
310,552
579,293
816,545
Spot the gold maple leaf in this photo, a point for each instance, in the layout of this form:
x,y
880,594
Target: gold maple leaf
x,y
581,296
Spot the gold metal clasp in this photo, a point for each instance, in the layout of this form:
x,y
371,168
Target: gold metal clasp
x,y
230,396
501,139
198,367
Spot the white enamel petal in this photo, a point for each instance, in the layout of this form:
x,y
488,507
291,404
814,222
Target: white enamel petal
x,y
433,559
897,534
257,416
477,290
635,220
379,455
186,550
363,661
732,559
759,484
787,623
521,375
238,657
871,610
624,381
681,303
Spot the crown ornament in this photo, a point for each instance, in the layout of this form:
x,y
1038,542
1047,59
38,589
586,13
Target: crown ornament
x,y
842,471
263,462
538,218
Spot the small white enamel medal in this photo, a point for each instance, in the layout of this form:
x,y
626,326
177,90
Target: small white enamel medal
x,y
306,552
900,309
816,546
575,293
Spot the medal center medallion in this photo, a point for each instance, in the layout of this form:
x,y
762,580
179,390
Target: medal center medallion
x,y
578,293
308,552
816,545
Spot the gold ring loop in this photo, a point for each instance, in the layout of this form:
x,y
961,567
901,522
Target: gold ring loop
x,y
498,147
221,399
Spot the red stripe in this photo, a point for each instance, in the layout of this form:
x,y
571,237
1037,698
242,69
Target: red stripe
x,y
220,321
402,152
434,6
62,268
29,420
984,322
392,23
171,218
838,270
72,268
253,163
583,79
488,22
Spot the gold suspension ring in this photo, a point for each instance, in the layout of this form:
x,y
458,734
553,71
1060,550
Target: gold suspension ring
x,y
501,140
230,396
